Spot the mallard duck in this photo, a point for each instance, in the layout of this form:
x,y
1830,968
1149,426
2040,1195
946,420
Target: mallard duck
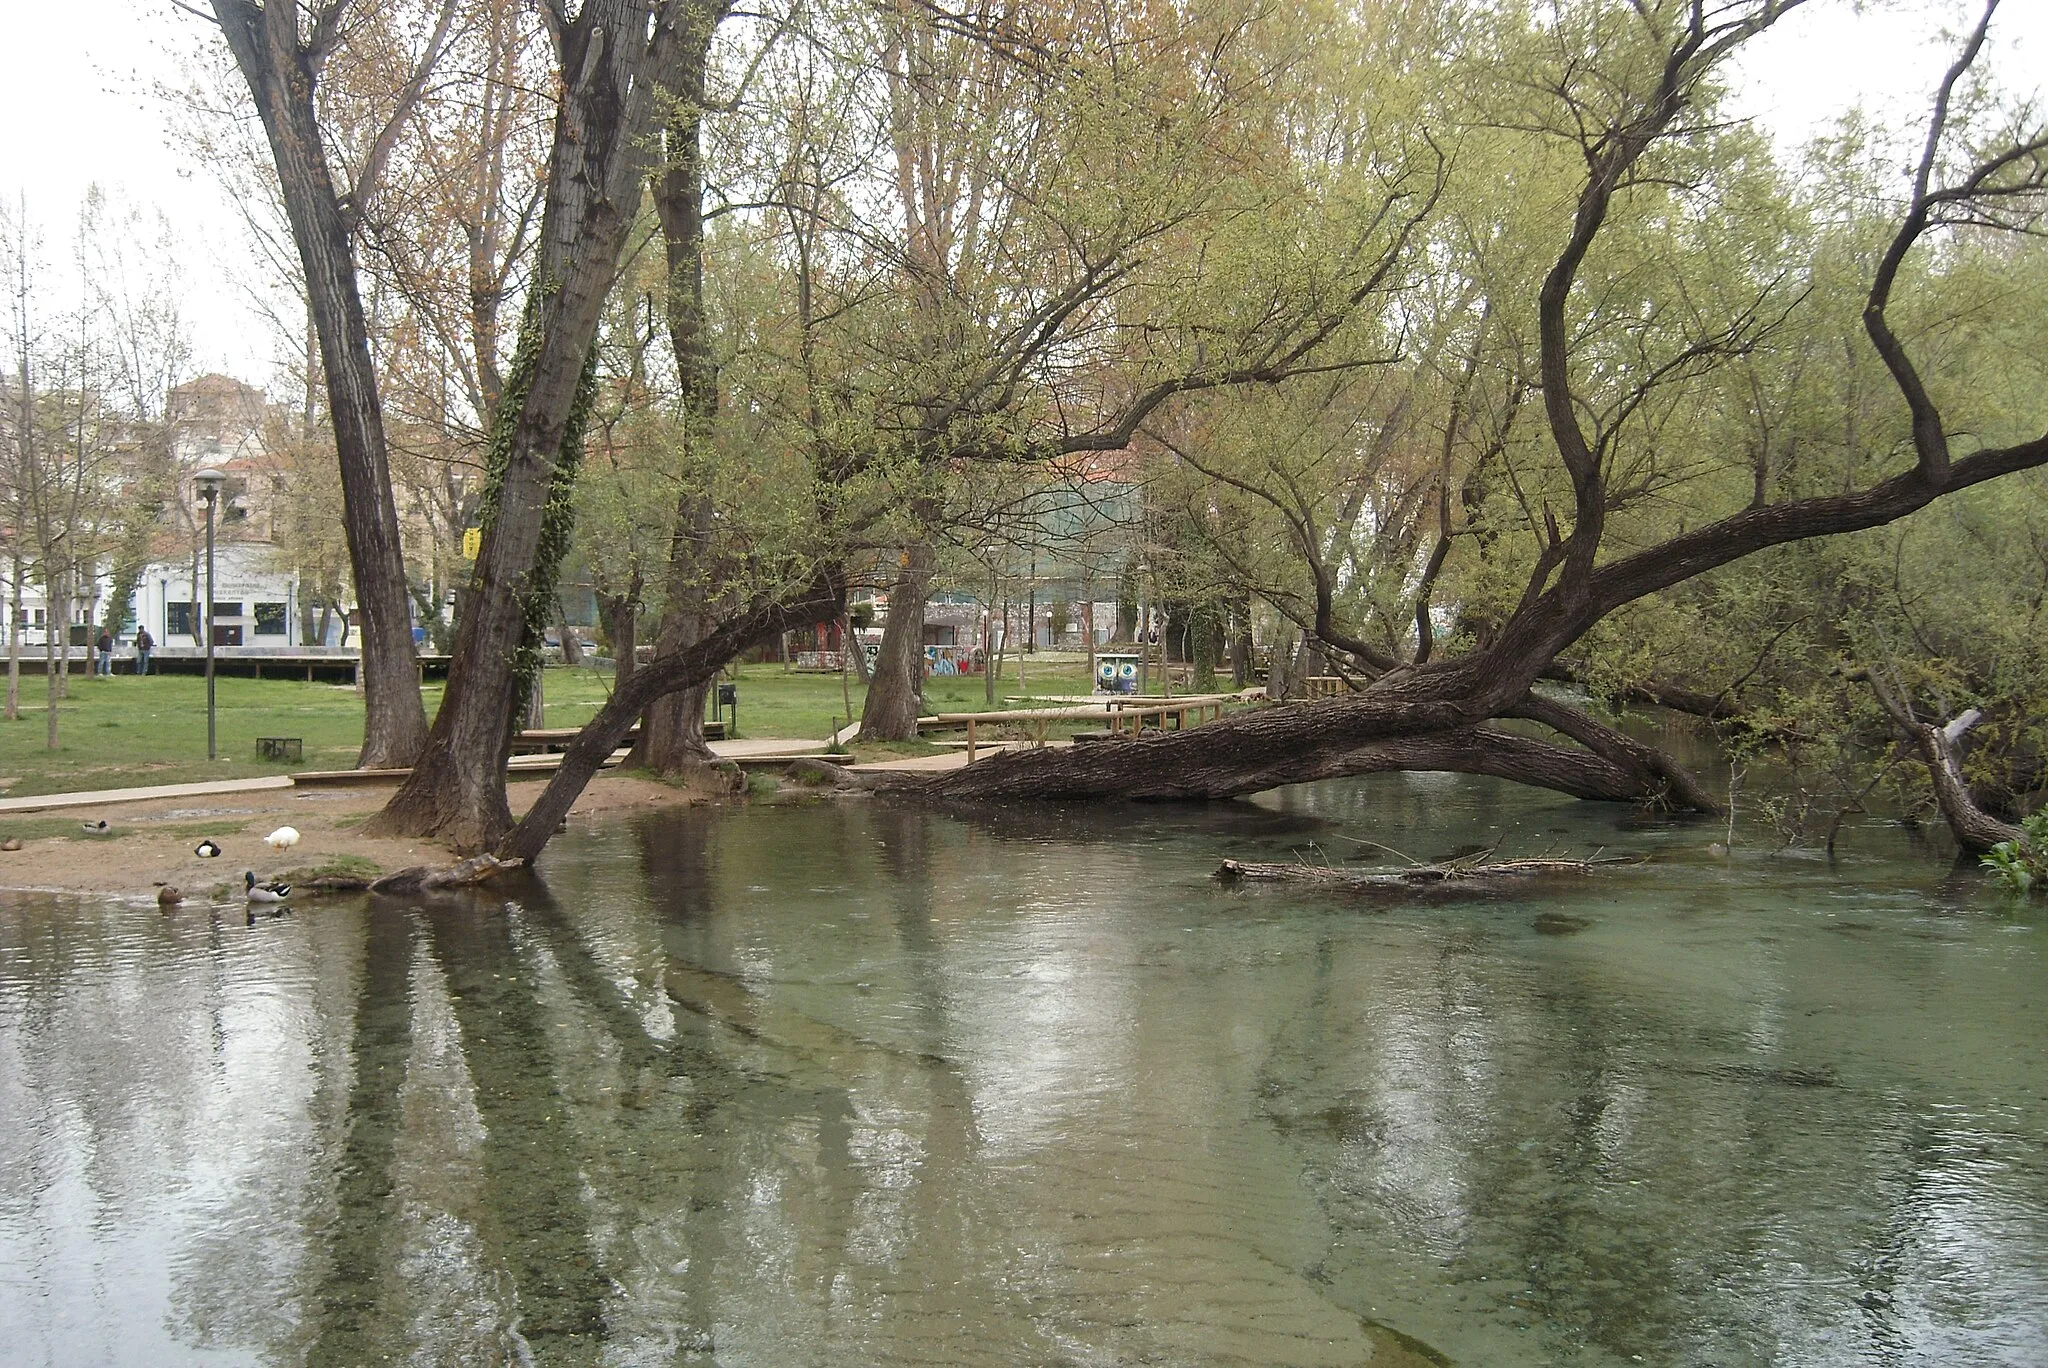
x,y
284,838
264,892
206,850
99,828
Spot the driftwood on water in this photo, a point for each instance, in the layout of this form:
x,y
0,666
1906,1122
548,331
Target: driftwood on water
x,y
1437,880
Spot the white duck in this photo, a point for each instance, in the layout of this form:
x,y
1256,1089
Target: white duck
x,y
284,838
264,892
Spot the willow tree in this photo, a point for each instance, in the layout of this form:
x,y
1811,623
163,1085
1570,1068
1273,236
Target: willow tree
x,y
1624,327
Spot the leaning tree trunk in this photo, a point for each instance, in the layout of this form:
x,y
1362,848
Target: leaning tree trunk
x,y
689,668
1975,830
1420,720
601,154
896,694
265,43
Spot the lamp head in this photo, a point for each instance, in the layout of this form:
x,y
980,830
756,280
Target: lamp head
x,y
208,482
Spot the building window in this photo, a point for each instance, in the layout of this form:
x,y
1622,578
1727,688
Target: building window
x,y
270,619
39,617
221,610
178,619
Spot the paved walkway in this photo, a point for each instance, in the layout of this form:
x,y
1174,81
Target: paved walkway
x,y
45,802
742,751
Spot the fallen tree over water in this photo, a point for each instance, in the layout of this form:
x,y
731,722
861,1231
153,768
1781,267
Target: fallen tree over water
x,y
1332,739
1436,712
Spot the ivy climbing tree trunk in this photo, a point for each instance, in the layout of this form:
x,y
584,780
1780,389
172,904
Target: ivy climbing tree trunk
x,y
613,54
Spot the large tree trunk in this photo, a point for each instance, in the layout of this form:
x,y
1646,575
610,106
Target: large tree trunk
x,y
896,694
1417,720
672,733
281,74
622,626
601,155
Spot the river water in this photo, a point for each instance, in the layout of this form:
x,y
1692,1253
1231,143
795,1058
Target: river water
x,y
860,1084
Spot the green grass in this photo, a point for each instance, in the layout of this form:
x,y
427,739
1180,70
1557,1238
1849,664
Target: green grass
x,y
334,867
126,732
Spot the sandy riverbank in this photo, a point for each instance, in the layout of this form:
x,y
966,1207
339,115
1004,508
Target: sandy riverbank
x,y
150,844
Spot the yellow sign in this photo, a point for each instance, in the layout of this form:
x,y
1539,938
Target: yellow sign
x,y
472,542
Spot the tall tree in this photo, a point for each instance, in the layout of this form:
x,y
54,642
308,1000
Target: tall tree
x,y
615,58
280,48
672,733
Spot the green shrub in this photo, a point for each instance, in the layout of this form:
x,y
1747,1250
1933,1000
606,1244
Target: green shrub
x,y
2023,863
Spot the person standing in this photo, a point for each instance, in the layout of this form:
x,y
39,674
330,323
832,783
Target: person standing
x,y
144,644
105,646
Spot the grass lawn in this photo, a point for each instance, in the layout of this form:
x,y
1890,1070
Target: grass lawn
x,y
126,732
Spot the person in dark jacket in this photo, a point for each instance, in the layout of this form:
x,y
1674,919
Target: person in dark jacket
x,y
105,646
144,644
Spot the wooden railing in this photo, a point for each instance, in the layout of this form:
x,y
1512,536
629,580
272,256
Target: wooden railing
x,y
1116,711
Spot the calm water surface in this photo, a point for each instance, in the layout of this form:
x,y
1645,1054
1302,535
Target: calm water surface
x,y
853,1084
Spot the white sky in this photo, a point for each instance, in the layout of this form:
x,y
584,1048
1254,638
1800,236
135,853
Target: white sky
x,y
77,107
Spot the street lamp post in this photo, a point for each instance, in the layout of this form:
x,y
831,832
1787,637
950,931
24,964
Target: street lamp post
x,y
209,482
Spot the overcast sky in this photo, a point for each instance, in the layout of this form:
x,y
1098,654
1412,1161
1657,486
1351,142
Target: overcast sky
x,y
77,103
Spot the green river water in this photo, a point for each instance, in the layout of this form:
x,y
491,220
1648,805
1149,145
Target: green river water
x,y
852,1083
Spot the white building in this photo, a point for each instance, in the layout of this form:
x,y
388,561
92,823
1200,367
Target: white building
x,y
256,605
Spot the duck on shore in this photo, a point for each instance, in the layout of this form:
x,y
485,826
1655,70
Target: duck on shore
x,y
206,850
